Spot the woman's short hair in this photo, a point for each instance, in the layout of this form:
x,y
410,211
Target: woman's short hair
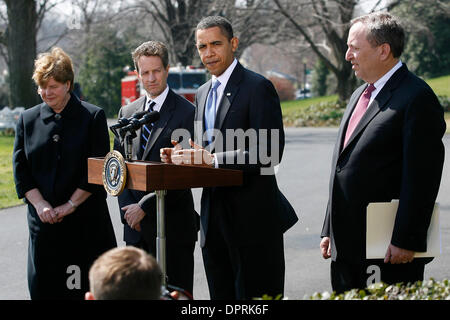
x,y
149,49
55,64
125,273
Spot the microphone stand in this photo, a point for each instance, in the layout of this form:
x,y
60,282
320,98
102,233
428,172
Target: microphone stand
x,y
126,141
129,145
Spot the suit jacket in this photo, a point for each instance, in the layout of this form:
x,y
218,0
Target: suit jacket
x,y
50,153
395,152
181,219
257,210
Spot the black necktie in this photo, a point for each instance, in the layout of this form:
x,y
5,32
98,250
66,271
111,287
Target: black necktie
x,y
145,133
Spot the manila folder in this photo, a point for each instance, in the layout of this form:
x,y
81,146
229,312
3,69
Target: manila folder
x,y
380,225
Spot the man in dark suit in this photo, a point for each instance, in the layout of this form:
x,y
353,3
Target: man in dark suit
x,y
241,227
389,147
138,209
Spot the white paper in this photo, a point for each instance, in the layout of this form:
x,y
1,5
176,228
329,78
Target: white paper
x,y
380,225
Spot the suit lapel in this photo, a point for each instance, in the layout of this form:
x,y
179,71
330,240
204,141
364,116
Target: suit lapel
x,y
228,95
377,104
202,95
346,117
225,103
370,113
139,107
199,126
165,112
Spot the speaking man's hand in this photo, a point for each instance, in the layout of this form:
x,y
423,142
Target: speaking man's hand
x,y
197,156
325,247
166,153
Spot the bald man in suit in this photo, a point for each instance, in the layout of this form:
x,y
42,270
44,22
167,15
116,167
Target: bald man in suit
x,y
389,147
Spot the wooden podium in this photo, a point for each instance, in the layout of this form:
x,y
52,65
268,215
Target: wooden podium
x,y
160,177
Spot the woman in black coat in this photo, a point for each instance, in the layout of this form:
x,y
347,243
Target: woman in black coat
x,y
68,219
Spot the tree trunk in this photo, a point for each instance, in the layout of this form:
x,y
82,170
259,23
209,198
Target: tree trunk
x,y
21,42
346,82
336,33
182,34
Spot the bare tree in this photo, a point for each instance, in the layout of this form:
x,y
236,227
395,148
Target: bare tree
x,y
23,19
177,20
20,41
328,22
253,25
91,19
426,24
442,5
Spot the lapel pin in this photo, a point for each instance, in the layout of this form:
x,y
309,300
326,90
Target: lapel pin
x,y
228,94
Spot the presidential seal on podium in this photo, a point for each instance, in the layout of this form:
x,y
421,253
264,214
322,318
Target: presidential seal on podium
x,y
114,173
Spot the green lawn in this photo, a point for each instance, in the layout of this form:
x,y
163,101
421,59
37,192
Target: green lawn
x,y
8,196
294,104
441,85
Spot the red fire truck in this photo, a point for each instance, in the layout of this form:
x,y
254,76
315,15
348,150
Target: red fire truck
x,y
183,80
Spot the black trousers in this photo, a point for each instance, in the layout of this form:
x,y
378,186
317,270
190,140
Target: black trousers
x,y
179,262
241,272
346,276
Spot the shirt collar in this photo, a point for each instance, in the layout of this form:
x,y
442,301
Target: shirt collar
x,y
225,76
159,100
379,84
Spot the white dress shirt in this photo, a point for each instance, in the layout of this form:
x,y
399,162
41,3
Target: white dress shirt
x,y
223,79
379,84
159,100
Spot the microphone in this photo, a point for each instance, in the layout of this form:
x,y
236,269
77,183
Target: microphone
x,y
135,123
122,122
139,114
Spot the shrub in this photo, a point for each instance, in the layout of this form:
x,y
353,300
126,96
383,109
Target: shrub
x,y
323,114
420,290
328,114
445,103
9,132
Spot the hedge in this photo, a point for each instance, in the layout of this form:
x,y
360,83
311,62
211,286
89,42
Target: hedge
x,y
329,114
420,290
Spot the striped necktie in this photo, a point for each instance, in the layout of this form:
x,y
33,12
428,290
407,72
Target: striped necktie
x,y
210,110
145,132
